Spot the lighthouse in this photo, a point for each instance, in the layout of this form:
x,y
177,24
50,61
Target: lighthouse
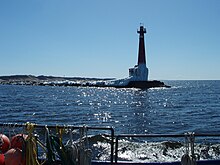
x,y
140,71
138,75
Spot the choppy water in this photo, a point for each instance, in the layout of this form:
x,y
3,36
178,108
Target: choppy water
x,y
187,106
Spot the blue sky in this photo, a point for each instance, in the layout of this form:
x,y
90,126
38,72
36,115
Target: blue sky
x,y
97,38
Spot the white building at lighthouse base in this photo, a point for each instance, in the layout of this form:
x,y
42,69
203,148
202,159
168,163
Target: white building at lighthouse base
x,y
139,73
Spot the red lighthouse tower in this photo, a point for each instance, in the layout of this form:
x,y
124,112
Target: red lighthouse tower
x,y
141,50
140,71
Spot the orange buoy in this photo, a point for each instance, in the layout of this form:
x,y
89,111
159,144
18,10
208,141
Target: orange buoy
x,y
18,141
4,143
2,159
14,157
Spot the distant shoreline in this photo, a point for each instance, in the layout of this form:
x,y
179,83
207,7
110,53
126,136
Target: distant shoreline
x,y
38,80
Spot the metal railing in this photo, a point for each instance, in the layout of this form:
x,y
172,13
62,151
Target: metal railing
x,y
15,125
114,139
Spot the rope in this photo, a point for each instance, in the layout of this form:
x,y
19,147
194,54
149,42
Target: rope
x,y
31,146
72,149
72,152
85,152
186,158
56,149
60,132
50,151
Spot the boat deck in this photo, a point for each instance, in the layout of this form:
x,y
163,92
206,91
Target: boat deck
x,y
114,142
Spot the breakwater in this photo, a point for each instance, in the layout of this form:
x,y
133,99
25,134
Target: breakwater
x,y
78,81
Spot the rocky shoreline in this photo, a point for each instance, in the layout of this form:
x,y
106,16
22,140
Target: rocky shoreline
x,y
76,81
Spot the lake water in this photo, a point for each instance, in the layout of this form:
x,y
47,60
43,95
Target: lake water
x,y
187,106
